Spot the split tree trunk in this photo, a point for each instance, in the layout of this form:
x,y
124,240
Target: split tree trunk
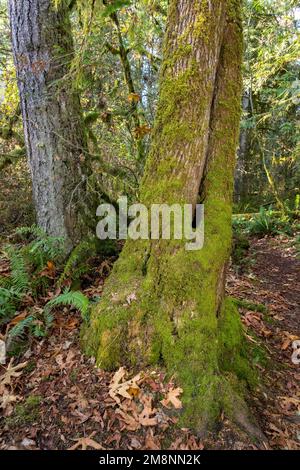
x,y
178,316
54,136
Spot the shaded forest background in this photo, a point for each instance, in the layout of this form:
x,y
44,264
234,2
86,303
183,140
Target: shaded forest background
x,y
115,70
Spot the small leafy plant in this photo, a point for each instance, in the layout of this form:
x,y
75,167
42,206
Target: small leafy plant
x,y
30,264
266,222
74,299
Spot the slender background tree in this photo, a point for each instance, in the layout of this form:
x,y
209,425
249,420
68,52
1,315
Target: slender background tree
x,y
52,121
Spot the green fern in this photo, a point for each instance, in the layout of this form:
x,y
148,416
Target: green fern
x,y
36,324
75,299
8,302
47,319
15,286
76,265
19,276
42,247
18,331
33,231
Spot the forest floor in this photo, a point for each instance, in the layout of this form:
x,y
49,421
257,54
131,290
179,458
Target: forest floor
x,y
57,399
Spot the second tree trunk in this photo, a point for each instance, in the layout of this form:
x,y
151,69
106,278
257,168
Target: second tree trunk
x,y
54,135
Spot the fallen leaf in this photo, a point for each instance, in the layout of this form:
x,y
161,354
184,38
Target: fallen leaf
x,y
7,399
133,98
285,344
131,424
128,389
146,418
12,372
85,442
151,442
172,397
18,318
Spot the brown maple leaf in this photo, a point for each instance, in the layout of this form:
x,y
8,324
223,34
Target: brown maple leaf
x,y
85,442
172,397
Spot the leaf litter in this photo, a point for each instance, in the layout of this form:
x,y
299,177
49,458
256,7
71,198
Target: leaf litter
x,y
83,407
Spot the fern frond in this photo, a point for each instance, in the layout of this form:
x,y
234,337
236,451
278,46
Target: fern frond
x,y
18,330
19,276
74,267
42,247
34,231
73,298
5,282
8,302
49,248
48,318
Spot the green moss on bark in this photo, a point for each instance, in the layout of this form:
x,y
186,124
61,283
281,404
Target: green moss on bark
x,y
163,304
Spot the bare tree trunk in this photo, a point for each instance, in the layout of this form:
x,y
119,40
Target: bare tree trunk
x,y
54,135
180,317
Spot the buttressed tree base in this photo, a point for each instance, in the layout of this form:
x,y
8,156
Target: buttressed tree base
x,y
180,316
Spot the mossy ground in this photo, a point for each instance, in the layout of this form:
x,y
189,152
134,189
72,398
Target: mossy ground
x,y
25,413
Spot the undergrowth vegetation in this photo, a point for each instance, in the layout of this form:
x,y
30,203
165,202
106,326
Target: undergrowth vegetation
x,y
38,279
267,222
34,261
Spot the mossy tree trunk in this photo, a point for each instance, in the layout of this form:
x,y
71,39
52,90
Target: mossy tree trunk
x,y
54,134
179,316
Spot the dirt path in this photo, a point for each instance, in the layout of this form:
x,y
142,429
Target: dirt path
x,y
60,400
274,281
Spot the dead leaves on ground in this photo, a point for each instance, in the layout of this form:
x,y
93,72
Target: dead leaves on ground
x,y
7,396
85,442
277,333
135,407
127,389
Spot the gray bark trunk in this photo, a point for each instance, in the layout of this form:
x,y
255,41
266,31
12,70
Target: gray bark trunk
x,y
54,135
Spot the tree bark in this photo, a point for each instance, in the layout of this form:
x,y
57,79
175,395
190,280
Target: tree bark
x,y
54,134
179,317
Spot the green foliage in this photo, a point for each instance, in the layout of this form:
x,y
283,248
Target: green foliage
x,y
271,107
240,248
9,300
27,263
115,6
76,264
19,274
25,413
18,331
14,287
266,222
41,247
36,324
26,278
74,299
297,245
250,305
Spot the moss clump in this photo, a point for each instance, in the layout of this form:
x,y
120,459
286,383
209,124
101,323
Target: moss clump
x,y
254,307
235,352
25,413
